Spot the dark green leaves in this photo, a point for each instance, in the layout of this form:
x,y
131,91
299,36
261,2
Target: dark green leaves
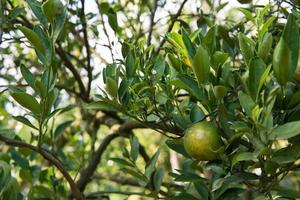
x,y
201,65
4,176
246,103
177,145
51,9
246,47
286,131
24,121
291,37
27,101
150,167
33,38
134,151
257,68
28,76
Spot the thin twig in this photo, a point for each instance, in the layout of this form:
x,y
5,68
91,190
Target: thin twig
x,y
87,47
174,19
152,21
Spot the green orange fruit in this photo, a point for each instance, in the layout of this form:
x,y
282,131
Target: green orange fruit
x,y
202,140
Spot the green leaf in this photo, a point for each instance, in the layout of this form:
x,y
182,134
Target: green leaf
x,y
103,105
257,68
59,24
246,47
183,196
28,76
243,156
263,78
173,61
159,68
134,151
288,193
265,27
196,114
190,85
113,21
158,178
144,180
265,46
130,64
201,65
123,162
286,131
286,155
24,121
41,88
150,167
112,87
4,176
220,91
11,191
218,59
209,39
247,103
291,36
33,38
177,145
27,101
51,98
187,177
62,127
20,159
37,10
188,44
247,14
52,8
282,62
202,189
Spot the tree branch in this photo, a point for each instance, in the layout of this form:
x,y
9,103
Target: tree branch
x,y
86,174
174,19
49,157
152,21
87,47
72,68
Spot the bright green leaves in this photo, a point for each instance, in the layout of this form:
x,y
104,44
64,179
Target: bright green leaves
x,y
201,65
33,38
246,47
285,57
26,100
220,91
52,8
265,46
112,87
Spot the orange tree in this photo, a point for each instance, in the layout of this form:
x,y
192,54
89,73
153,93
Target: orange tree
x,y
223,88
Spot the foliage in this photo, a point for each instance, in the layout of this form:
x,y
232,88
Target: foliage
x,y
241,75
